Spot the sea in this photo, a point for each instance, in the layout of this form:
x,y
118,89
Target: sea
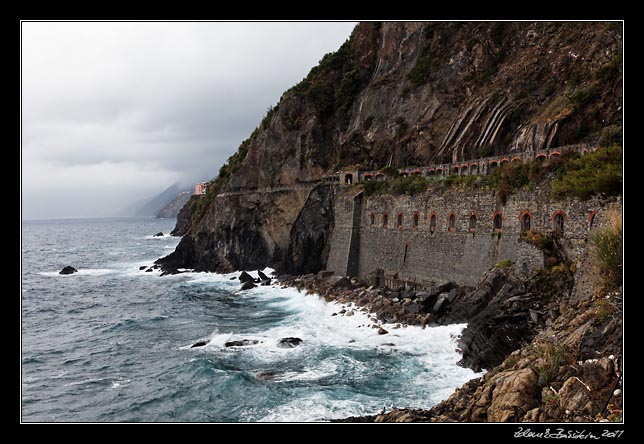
x,y
112,343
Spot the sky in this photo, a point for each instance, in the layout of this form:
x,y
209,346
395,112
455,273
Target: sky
x,y
115,112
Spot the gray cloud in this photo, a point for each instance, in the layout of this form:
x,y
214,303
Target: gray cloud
x,y
116,112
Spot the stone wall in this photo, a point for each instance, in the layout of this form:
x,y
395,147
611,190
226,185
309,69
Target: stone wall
x,y
414,253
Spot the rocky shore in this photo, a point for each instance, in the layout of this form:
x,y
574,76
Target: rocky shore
x,y
551,353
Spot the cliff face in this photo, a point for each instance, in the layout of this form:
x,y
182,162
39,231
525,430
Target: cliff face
x,y
402,94
172,208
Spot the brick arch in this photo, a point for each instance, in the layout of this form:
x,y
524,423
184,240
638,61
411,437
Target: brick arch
x,y
522,221
472,221
516,159
497,220
372,218
555,154
499,212
415,219
591,218
430,172
451,216
385,219
505,160
541,157
400,219
563,213
494,163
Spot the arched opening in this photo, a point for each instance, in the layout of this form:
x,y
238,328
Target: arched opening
x,y
493,165
348,179
591,219
505,160
555,154
516,159
385,220
430,173
541,158
380,177
559,224
455,170
472,223
432,223
414,221
416,173
451,223
558,220
368,177
498,222
474,169
399,220
525,222
372,219
439,171
404,173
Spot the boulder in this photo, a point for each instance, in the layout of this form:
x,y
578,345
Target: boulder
x,y
68,270
248,285
245,277
199,344
241,343
441,303
339,282
289,342
159,234
262,276
515,393
382,331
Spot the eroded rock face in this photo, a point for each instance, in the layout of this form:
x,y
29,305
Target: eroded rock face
x,y
399,94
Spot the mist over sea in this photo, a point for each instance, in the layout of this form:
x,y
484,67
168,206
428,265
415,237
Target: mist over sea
x,y
111,343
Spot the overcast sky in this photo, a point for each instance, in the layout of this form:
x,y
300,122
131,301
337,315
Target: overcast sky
x,y
116,112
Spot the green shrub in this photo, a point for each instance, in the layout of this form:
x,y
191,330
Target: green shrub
x,y
603,310
554,356
611,136
486,150
584,96
595,173
606,250
390,171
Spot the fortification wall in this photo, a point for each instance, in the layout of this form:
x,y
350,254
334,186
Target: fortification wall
x,y
417,251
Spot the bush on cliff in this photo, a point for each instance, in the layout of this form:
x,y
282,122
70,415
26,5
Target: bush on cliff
x,y
398,186
607,251
595,173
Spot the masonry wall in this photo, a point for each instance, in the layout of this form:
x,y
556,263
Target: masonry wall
x,y
415,254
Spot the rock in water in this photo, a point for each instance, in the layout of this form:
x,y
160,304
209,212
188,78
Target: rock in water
x,y
245,277
289,342
241,343
159,234
142,267
262,276
68,270
199,344
382,331
248,286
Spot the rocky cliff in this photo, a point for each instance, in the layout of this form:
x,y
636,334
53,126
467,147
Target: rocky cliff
x,y
172,208
402,94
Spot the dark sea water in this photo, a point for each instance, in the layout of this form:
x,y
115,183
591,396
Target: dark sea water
x,y
111,343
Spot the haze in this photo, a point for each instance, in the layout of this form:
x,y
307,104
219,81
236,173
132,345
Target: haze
x,y
115,112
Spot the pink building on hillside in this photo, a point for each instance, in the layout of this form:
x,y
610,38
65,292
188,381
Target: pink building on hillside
x,y
201,188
